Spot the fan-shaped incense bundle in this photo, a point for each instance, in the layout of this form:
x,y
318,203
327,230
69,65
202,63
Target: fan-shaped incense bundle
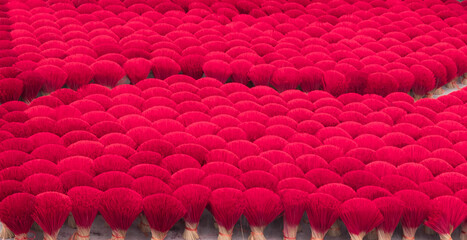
x,y
84,202
322,211
7,188
338,190
257,178
54,77
415,211
296,183
195,198
391,208
262,207
462,194
446,214
147,186
137,69
162,212
360,216
216,181
372,192
120,207
51,209
75,178
112,179
42,182
186,176
227,206
435,189
294,202
15,213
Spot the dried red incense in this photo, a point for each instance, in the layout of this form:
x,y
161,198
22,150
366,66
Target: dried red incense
x,y
391,208
360,216
415,211
120,207
262,207
227,206
195,198
7,188
446,214
85,201
147,186
322,211
51,209
15,213
162,212
294,202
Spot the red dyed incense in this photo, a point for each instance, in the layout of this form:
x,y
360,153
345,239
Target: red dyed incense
x,y
322,211
54,77
462,194
360,216
41,166
86,148
342,193
164,67
391,208
195,198
395,183
372,192
142,170
51,209
85,201
79,74
415,172
322,176
162,212
286,170
296,183
7,188
186,176
360,178
112,179
294,202
137,69
110,162
227,206
217,69
415,211
261,74
147,186
222,168
216,181
42,182
120,207
435,189
32,84
455,181
262,207
257,178
177,162
75,178
15,213
107,73
446,214
145,157
338,190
